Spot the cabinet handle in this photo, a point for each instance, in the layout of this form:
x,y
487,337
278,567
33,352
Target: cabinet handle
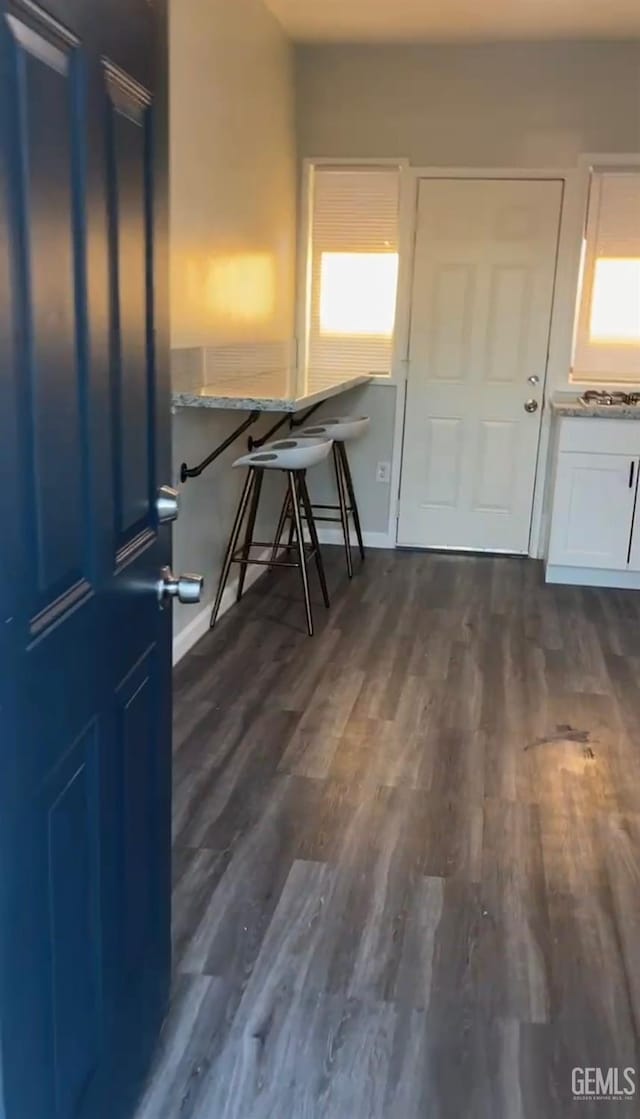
x,y
632,473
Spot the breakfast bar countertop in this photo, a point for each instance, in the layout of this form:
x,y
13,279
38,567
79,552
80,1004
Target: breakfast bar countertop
x,y
262,394
565,404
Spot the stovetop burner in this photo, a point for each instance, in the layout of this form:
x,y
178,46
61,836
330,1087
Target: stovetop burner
x,y
609,399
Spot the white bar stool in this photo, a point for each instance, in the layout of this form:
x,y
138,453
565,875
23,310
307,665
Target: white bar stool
x,y
340,430
294,456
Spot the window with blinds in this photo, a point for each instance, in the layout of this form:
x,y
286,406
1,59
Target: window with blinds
x,y
352,271
607,341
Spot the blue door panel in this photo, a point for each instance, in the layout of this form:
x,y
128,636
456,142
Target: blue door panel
x,y
72,692
130,264
85,686
59,934
135,731
73,854
46,121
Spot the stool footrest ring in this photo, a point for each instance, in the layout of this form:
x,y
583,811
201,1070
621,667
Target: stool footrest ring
x,y
239,557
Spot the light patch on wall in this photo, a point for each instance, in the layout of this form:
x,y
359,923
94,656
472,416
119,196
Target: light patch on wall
x,y
242,286
358,293
615,304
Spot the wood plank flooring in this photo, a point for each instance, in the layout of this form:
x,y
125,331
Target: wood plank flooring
x,y
407,851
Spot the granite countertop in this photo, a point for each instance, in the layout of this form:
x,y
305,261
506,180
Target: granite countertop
x,y
571,406
261,394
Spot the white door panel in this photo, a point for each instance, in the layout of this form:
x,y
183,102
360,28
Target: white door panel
x,y
443,451
483,287
493,488
449,344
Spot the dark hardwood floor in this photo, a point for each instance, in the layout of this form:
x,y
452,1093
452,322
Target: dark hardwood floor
x,y
407,851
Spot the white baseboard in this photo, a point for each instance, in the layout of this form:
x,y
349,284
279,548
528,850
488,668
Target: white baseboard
x,y
592,577
199,624
371,539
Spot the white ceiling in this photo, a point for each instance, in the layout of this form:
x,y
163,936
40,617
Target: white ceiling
x,y
443,20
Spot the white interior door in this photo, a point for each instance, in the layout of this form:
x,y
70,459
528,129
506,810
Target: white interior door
x,y
484,270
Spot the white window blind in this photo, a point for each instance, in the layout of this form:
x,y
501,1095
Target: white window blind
x,y
607,342
353,271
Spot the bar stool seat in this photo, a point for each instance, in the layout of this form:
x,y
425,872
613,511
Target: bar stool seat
x,y
288,454
293,456
341,430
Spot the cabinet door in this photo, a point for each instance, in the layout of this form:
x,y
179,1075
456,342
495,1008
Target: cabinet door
x,y
593,510
634,551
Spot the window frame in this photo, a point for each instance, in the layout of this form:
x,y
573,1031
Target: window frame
x,y
305,257
611,370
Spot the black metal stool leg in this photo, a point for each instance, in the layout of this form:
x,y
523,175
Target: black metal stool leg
x,y
282,520
297,521
342,451
233,540
248,537
292,527
342,502
313,533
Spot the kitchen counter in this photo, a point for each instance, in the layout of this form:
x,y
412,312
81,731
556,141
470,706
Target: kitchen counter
x,y
262,393
571,406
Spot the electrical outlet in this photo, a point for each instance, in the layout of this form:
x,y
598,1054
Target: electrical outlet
x,y
383,472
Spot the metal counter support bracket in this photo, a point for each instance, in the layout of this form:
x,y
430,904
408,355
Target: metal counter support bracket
x,y
195,471
256,443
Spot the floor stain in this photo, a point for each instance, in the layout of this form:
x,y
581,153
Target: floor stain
x,y
565,733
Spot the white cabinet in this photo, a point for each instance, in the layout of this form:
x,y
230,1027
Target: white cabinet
x,y
593,510
634,550
595,522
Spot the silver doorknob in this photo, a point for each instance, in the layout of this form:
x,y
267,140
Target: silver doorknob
x,y
167,504
186,588
531,405
533,379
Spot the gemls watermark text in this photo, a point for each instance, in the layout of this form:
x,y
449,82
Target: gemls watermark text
x,y
603,1083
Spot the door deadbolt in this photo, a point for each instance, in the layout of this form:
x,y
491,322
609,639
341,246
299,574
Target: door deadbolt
x,y
167,505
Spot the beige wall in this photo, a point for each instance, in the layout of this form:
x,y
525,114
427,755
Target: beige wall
x,y
232,194
484,105
506,104
232,174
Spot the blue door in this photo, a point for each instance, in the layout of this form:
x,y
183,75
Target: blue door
x,y
85,690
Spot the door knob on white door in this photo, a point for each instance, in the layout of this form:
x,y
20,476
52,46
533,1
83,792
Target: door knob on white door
x,y
186,588
531,405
